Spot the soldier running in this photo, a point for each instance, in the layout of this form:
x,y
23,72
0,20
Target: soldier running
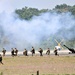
x,y
56,53
12,52
33,51
16,51
25,52
1,59
48,52
4,51
40,51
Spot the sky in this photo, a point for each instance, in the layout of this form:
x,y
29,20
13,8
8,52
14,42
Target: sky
x,y
11,5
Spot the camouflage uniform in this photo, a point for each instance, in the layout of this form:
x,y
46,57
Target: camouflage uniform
x,y
55,51
48,52
16,51
12,52
33,51
4,51
1,59
25,52
40,51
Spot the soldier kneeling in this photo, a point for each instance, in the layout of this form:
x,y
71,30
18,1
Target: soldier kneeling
x,y
25,52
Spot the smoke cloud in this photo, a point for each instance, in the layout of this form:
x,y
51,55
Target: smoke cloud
x,y
15,32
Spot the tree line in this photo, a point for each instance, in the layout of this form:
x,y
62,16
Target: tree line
x,y
27,13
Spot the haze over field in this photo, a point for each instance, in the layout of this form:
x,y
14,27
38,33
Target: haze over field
x,y
16,32
24,34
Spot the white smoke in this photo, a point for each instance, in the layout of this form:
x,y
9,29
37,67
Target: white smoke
x,y
23,34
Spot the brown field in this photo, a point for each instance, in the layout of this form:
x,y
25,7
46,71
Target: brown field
x,y
22,65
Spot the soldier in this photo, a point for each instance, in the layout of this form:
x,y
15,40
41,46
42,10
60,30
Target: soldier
x,y
33,51
55,51
12,52
40,51
1,59
16,51
25,52
4,51
48,52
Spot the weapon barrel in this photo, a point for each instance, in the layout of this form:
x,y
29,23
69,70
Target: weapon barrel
x,y
70,49
67,47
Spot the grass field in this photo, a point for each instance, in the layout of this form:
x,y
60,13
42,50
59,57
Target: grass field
x,y
22,65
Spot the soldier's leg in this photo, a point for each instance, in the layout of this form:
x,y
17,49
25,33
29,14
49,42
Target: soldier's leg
x,y
41,54
1,62
32,54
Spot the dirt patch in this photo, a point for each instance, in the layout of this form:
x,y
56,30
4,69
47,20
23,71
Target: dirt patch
x,y
22,65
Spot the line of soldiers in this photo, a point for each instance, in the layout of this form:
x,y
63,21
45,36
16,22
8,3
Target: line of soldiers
x,y
40,51
14,51
33,51
26,52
